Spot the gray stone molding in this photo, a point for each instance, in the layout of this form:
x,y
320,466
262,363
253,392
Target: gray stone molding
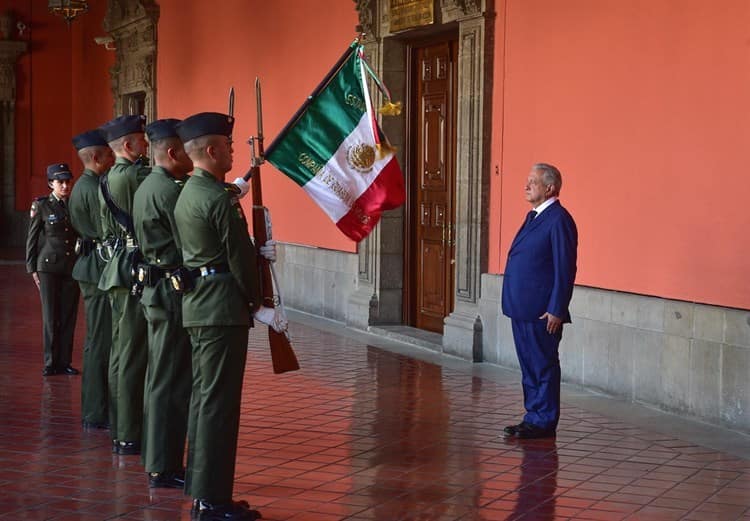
x,y
132,24
683,357
462,330
12,221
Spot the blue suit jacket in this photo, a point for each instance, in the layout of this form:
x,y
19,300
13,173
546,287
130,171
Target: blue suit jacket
x,y
541,267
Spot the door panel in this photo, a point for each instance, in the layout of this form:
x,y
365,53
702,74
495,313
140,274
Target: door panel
x,y
432,187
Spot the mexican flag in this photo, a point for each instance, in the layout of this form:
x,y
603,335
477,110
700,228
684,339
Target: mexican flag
x,y
334,149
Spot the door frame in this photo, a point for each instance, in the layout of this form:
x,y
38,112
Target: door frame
x,y
411,214
378,294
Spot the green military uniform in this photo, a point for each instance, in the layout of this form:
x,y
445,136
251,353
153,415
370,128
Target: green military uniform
x,y
168,376
50,252
217,313
84,206
127,364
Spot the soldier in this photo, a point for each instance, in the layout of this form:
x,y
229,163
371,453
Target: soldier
x,y
168,373
127,362
217,312
84,207
50,255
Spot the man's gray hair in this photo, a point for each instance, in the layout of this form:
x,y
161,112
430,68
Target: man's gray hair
x,y
550,175
195,148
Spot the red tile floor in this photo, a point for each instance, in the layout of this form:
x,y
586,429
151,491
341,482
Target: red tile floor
x,y
360,433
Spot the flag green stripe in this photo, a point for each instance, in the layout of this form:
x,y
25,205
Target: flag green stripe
x,y
329,119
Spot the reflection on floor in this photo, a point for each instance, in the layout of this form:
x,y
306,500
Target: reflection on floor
x,y
360,433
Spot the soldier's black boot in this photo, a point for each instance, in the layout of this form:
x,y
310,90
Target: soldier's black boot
x,y
128,448
166,479
233,511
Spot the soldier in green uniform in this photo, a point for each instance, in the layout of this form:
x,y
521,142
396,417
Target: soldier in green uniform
x,y
217,312
168,374
127,361
50,256
84,207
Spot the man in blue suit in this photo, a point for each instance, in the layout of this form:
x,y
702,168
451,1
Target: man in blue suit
x,y
537,287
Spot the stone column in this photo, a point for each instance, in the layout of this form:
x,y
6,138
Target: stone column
x,y
462,332
13,224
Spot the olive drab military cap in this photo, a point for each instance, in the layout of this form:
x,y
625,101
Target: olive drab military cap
x,y
122,126
162,129
204,124
58,172
90,138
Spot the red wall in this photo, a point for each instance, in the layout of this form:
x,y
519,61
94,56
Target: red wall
x,y
644,107
62,89
205,48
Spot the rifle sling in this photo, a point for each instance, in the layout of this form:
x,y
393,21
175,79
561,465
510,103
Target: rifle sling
x,y
120,215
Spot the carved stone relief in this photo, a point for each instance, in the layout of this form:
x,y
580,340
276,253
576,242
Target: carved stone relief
x,y
12,221
132,24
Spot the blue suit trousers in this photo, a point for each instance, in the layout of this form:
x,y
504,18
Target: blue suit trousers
x,y
537,353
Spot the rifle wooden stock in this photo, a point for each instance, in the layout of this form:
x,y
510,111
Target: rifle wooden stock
x,y
282,355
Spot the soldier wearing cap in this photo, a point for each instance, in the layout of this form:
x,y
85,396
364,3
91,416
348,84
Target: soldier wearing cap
x,y
216,312
127,363
84,208
50,255
168,374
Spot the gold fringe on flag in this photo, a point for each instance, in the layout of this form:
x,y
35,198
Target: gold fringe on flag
x,y
385,148
390,109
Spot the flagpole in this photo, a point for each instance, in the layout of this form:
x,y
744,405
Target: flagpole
x,y
322,85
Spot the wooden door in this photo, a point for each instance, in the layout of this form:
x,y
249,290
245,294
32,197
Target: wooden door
x,y
433,83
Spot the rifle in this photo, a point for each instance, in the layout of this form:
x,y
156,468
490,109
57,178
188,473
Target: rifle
x,y
282,354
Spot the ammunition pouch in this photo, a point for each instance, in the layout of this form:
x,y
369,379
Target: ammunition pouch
x,y
135,258
182,280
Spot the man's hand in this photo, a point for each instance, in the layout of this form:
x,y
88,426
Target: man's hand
x,y
272,317
243,185
554,324
35,276
268,250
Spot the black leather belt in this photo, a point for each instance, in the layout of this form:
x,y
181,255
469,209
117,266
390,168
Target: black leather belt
x,y
85,246
209,269
149,275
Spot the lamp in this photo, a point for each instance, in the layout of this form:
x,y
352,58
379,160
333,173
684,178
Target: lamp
x,y
68,9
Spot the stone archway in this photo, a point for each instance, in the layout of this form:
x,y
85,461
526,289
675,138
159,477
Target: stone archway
x,y
379,293
132,24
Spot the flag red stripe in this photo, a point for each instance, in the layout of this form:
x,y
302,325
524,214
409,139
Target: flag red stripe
x,y
385,192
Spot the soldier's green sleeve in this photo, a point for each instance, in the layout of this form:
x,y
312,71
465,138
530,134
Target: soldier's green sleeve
x,y
32,238
141,174
240,251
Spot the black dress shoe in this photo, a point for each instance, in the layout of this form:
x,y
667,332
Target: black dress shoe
x,y
95,425
232,511
68,370
128,448
511,430
166,479
528,432
48,371
196,508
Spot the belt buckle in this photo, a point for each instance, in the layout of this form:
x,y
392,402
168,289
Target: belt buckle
x,y
204,271
130,242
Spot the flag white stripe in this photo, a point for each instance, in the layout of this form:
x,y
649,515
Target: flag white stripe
x,y
337,186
